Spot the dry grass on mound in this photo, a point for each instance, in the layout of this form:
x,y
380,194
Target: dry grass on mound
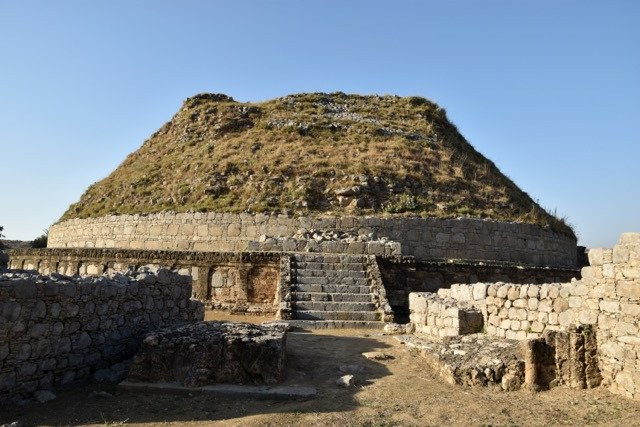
x,y
312,153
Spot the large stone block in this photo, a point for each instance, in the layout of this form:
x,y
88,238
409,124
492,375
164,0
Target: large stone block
x,y
211,352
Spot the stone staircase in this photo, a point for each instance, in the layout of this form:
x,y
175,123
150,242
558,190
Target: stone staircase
x,y
332,291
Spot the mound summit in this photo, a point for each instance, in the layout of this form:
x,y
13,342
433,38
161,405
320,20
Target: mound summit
x,y
313,153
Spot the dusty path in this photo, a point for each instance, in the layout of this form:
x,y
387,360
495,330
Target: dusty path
x,y
400,391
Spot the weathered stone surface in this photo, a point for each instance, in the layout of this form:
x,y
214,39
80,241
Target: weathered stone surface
x,y
211,352
473,360
55,330
242,232
438,316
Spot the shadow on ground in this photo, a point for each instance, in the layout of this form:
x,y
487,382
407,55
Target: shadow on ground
x,y
315,360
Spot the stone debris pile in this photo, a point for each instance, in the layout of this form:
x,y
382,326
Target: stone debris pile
x,y
337,235
331,241
210,353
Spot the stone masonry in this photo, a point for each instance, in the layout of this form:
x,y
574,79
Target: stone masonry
x,y
211,352
55,330
437,316
423,238
238,282
606,300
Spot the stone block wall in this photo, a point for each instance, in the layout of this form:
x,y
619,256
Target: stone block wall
x,y
55,330
526,311
437,316
402,275
239,282
606,300
424,238
614,281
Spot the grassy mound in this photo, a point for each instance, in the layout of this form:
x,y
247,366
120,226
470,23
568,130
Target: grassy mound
x,y
311,154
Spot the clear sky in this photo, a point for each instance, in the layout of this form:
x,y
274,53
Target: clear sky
x,y
548,90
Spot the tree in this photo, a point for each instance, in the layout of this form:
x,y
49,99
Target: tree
x,y
41,241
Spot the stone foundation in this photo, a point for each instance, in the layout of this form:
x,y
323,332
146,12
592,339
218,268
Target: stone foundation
x,y
403,275
473,360
259,282
211,353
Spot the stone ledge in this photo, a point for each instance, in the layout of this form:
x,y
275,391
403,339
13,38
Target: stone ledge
x,y
233,390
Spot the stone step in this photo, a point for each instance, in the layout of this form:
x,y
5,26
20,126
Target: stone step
x,y
355,266
335,315
321,296
330,281
334,324
332,289
358,274
332,306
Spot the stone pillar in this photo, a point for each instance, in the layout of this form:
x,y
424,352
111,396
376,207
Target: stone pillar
x,y
201,282
539,364
242,283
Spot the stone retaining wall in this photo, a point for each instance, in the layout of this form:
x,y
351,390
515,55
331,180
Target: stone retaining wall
x,y
424,238
606,299
55,330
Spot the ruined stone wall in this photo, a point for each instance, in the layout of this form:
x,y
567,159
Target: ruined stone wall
x,y
606,300
56,330
437,316
614,280
424,238
401,276
240,282
526,311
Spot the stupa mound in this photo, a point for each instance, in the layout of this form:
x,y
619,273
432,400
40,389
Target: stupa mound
x,y
310,154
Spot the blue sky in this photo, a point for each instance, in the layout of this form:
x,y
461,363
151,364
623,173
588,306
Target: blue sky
x,y
546,89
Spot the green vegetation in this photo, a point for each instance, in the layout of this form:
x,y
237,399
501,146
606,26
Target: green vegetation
x,y
312,153
41,241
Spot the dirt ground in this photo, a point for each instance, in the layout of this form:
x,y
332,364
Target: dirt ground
x,y
398,391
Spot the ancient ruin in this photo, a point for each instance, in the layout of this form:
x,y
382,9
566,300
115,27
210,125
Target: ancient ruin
x,y
57,330
241,198
210,353
582,333
320,211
